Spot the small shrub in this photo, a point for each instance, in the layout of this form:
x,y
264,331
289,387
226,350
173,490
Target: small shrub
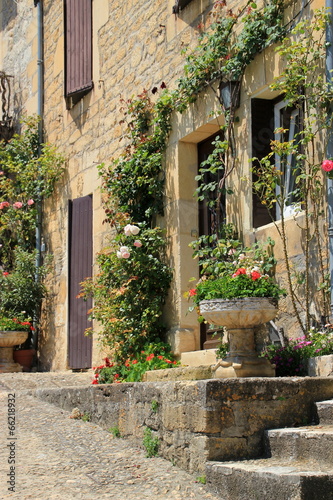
x,y
86,417
291,359
150,443
154,405
115,431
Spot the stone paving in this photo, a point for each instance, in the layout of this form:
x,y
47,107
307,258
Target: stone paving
x,y
56,457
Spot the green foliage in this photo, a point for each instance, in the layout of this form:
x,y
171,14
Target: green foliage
x,y
28,174
224,52
229,287
134,183
16,323
115,431
86,417
22,289
220,256
202,479
291,359
155,356
154,405
222,350
150,443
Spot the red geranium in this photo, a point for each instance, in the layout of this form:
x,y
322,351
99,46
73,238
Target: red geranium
x,y
239,271
255,275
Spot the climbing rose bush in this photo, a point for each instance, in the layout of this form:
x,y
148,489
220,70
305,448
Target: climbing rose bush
x,y
129,291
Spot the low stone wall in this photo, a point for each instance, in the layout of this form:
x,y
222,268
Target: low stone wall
x,y
321,366
196,421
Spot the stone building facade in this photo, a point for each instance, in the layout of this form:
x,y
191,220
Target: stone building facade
x,y
135,45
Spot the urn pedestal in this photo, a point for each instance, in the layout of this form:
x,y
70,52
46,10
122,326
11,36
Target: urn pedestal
x,y
240,316
8,340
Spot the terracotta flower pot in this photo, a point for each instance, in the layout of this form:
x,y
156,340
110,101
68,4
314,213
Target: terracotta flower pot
x,y
25,358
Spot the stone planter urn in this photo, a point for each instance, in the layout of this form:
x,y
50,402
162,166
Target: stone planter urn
x,y
240,316
8,340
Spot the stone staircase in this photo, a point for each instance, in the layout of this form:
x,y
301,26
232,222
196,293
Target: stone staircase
x,y
299,465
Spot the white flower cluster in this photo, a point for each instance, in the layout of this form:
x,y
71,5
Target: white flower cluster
x,y
129,230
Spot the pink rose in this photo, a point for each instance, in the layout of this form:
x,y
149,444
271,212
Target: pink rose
x,y
327,165
137,243
18,204
30,202
4,204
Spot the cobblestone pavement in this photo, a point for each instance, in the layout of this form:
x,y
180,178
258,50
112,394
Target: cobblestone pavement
x,y
57,457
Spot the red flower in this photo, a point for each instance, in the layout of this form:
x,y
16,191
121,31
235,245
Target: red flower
x,y
168,361
94,381
160,357
5,273
255,275
116,375
239,271
134,362
327,165
107,361
192,292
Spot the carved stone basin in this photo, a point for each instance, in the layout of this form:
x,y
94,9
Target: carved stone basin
x,y
240,316
8,340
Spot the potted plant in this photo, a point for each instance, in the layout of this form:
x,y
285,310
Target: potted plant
x,y
21,293
13,331
239,301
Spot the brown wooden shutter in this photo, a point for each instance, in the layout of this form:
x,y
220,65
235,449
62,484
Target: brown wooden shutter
x,y
80,267
262,135
78,51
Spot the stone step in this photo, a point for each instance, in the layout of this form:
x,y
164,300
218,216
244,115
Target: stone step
x,y
325,412
315,442
270,479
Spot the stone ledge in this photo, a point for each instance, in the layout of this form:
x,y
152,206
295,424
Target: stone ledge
x,y
181,373
197,421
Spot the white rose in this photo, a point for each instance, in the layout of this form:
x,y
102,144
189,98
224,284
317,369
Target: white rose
x,y
135,230
127,230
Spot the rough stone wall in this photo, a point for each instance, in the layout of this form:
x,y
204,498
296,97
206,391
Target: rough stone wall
x,y
18,55
202,420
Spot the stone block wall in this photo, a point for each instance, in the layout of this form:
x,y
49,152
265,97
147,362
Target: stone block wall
x,y
201,420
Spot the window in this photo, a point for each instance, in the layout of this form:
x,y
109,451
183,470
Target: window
x,y
267,117
287,118
179,5
78,48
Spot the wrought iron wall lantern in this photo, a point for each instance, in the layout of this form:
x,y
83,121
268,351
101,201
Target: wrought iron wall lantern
x,y
230,94
6,122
